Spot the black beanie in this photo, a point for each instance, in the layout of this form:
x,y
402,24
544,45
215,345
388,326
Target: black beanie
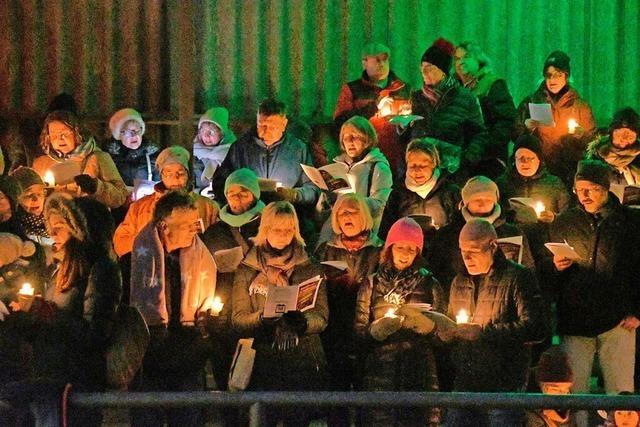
x,y
559,60
440,54
625,118
529,142
594,171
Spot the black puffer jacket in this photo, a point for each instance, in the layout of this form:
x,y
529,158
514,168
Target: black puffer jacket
x,y
134,164
619,160
509,307
601,288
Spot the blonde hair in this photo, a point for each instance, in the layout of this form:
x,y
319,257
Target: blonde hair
x,y
278,213
363,126
427,146
351,199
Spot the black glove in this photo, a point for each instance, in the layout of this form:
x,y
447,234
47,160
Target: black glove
x,y
86,183
295,321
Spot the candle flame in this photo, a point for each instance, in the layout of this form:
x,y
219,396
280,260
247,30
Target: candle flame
x,y
390,313
26,289
539,208
572,125
217,305
462,316
49,179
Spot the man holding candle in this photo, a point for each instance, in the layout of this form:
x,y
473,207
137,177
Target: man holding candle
x,y
598,302
377,95
506,313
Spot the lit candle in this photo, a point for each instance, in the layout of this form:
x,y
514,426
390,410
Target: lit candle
x,y
25,296
572,124
462,316
539,208
26,289
216,306
278,184
49,179
391,313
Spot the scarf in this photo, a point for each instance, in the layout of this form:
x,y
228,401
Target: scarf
x,y
424,189
355,243
276,266
78,154
242,219
621,158
434,93
33,225
495,214
396,285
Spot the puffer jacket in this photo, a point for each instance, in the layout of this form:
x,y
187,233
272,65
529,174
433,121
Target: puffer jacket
x,y
509,307
624,163
360,98
92,161
304,367
560,150
405,360
141,212
599,289
135,164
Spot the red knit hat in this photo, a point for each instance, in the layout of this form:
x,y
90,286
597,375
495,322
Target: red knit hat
x,y
405,230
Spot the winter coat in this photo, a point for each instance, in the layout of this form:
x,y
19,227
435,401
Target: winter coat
x,y
279,162
360,97
624,163
542,186
445,259
560,150
207,159
140,214
498,110
405,360
441,205
509,307
92,161
599,289
456,119
135,164
304,367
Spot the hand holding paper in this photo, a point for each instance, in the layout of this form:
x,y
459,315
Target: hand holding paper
x,y
542,114
562,250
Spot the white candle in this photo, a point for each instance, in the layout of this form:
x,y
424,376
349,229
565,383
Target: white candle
x,y
216,306
539,208
26,289
572,124
462,316
391,313
278,184
49,179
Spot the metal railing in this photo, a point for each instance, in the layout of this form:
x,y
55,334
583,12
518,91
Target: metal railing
x,y
256,402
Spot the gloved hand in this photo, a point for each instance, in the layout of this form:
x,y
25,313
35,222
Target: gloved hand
x,y
382,328
415,320
296,321
288,330
210,325
86,183
288,194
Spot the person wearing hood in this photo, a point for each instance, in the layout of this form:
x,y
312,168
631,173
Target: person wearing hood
x,y
133,154
211,144
377,95
474,70
229,241
564,142
31,199
480,199
173,165
364,167
451,113
620,147
77,166
596,292
355,243
426,194
400,335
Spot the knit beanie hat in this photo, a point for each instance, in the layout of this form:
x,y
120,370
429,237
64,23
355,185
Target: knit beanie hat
x,y
405,230
440,54
626,118
478,230
120,117
26,177
559,60
173,155
479,186
12,247
530,142
245,178
219,116
10,187
594,171
372,49
553,366
64,205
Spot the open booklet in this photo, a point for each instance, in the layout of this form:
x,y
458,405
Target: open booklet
x,y
442,321
563,250
302,297
629,195
329,178
526,209
512,248
404,120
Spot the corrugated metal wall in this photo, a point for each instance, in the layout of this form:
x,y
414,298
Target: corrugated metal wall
x,y
173,59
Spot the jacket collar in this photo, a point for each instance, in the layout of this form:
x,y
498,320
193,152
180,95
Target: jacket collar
x,y
373,241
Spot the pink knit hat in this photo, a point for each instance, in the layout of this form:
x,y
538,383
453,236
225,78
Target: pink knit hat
x,y
405,230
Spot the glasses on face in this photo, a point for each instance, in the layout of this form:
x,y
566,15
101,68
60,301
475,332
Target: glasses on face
x,y
583,191
131,133
32,197
175,175
209,132
525,159
61,136
554,76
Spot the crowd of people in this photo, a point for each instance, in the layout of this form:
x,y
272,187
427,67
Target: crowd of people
x,y
429,230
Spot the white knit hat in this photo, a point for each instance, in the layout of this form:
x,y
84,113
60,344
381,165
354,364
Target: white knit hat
x,y
121,117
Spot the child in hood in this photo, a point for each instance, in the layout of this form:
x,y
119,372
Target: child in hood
x,y
211,144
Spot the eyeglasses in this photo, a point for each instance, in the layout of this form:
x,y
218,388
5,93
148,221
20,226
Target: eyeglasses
x,y
554,76
130,133
525,159
63,135
176,175
209,132
588,190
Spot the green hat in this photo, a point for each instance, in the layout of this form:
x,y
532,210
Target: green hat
x,y
245,178
372,49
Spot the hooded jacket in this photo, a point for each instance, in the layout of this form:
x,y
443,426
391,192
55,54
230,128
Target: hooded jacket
x,y
135,164
625,163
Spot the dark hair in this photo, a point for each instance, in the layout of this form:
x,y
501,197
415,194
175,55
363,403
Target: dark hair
x,y
170,201
271,106
100,225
